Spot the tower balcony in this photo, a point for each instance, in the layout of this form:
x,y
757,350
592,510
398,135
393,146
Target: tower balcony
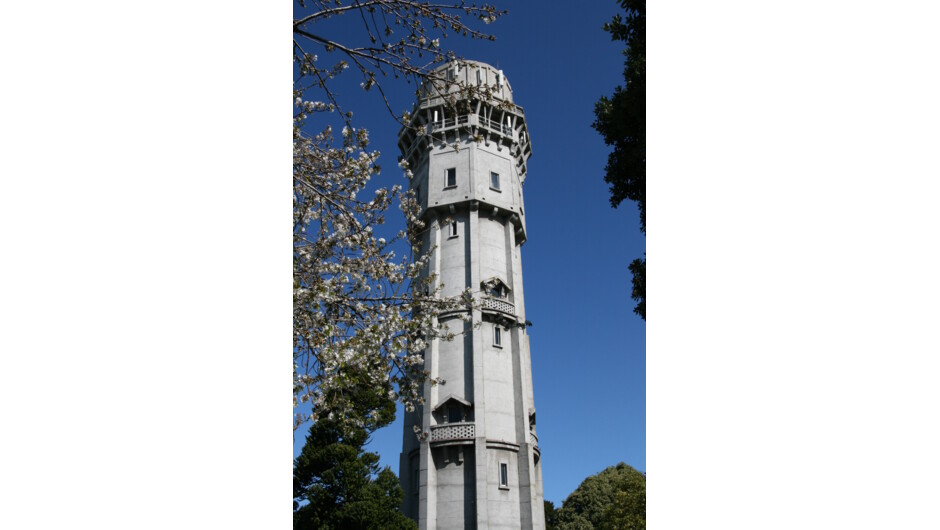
x,y
469,120
452,434
449,123
505,126
496,126
496,305
534,442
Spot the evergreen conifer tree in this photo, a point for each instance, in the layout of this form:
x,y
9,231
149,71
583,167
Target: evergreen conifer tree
x,y
338,486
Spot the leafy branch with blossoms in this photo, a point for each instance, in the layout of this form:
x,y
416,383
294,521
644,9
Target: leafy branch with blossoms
x,y
363,316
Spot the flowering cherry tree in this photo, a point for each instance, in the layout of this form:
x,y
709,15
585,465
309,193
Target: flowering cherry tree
x,y
362,314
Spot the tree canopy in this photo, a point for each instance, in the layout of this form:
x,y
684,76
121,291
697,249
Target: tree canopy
x,y
614,499
621,120
550,512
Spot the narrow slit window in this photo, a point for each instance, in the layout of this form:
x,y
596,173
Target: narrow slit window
x,y
494,180
497,336
503,475
452,230
450,180
479,77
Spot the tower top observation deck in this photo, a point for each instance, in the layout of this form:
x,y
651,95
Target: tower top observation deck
x,y
465,102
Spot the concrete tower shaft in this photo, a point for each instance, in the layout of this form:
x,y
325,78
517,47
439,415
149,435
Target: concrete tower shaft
x,y
478,467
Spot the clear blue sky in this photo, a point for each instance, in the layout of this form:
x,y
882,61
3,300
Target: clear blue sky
x,y
588,347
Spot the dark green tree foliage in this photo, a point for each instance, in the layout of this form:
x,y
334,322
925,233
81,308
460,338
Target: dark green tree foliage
x,y
550,516
337,485
638,268
628,509
621,120
614,499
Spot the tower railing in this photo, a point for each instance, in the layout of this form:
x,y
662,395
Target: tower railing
x,y
452,432
500,306
464,119
495,125
447,123
472,120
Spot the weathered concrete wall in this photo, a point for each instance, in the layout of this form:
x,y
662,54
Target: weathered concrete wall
x,y
503,504
455,363
501,413
493,246
455,256
455,502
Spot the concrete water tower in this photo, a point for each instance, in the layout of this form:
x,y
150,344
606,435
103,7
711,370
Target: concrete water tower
x,y
478,466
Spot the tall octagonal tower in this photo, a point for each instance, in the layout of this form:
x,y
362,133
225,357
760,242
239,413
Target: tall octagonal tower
x,y
478,467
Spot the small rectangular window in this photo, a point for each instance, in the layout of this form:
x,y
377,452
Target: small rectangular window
x,y
450,180
452,229
479,77
450,74
497,336
494,180
503,475
454,414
